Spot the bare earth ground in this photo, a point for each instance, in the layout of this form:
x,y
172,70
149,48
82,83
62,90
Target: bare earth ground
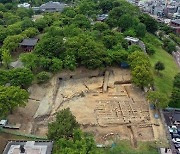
x,y
104,102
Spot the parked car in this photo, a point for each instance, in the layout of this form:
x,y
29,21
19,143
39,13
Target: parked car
x,y
178,129
176,140
174,135
173,129
3,123
177,145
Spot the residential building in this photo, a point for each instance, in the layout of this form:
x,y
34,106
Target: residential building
x,y
28,44
52,7
175,24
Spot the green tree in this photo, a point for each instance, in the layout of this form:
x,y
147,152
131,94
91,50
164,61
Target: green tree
x,y
56,65
10,6
150,49
118,56
22,77
10,18
141,76
126,21
176,82
30,60
64,125
171,46
41,24
10,98
6,58
151,24
81,21
133,48
89,53
2,8
138,58
69,12
80,143
159,66
27,23
70,62
100,26
50,46
87,8
140,30
110,41
12,42
22,12
4,77
106,5
14,29
44,63
175,98
130,32
159,100
30,32
43,77
3,34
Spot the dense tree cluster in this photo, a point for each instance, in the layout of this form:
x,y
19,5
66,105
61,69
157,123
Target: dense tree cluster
x,y
73,37
169,45
21,77
175,96
141,69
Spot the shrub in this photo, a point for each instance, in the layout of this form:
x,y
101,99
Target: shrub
x,y
43,77
149,49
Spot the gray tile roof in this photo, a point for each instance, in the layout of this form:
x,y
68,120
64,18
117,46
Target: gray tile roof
x,y
52,6
176,21
29,42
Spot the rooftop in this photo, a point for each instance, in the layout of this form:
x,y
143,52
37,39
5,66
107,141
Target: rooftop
x,y
28,147
25,5
176,21
29,42
128,38
52,5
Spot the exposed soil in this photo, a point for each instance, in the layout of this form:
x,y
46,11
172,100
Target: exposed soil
x,y
104,102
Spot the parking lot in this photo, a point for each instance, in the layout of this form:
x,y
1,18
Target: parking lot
x,y
172,119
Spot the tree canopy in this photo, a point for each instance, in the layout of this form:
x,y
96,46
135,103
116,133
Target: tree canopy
x,y
141,69
10,98
175,96
159,100
64,125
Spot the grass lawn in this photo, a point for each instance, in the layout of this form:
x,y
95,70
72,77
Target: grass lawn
x,y
124,147
163,83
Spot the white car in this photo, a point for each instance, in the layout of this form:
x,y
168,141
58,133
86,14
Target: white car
x,y
172,129
3,123
176,140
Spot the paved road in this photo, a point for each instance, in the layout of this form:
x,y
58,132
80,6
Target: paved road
x,y
177,56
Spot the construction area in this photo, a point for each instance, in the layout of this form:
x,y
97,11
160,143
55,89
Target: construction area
x,y
104,102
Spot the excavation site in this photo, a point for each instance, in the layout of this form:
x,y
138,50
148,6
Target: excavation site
x,y
104,102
